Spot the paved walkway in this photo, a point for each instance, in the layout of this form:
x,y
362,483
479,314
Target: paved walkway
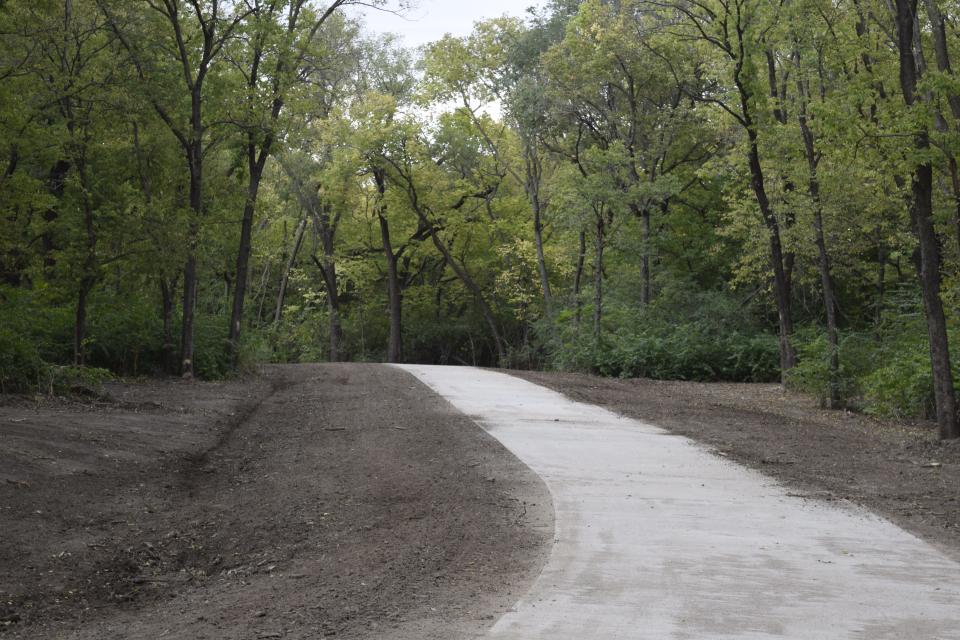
x,y
656,538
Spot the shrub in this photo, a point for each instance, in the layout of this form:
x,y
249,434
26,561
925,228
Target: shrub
x,y
712,342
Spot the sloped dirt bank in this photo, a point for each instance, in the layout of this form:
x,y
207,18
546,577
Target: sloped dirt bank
x,y
341,501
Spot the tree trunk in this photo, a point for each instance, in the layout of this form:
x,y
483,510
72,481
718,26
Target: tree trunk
x,y
169,349
243,258
291,261
190,270
834,398
578,275
646,292
56,183
881,280
541,258
80,326
195,162
781,283
328,270
189,306
929,244
955,184
333,297
944,393
394,293
781,277
598,278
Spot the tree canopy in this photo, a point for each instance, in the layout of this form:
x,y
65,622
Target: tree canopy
x,y
691,189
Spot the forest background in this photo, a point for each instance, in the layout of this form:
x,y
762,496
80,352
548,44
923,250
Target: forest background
x,y
738,190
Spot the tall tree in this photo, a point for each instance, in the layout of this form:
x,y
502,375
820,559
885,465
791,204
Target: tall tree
x,y
196,33
281,50
736,31
921,211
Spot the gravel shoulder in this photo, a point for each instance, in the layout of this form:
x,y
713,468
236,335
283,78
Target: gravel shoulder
x,y
898,470
311,501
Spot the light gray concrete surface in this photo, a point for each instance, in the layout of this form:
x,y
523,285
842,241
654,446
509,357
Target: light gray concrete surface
x,y
657,538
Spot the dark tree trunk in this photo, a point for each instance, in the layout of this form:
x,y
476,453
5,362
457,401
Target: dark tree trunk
x,y
781,276
333,298
881,281
89,275
578,274
168,291
646,291
56,183
243,255
394,292
291,261
541,257
533,177
955,183
834,398
189,306
929,243
944,393
781,282
195,162
599,244
328,270
80,325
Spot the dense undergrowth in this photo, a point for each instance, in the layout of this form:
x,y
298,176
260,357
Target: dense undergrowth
x,y
708,337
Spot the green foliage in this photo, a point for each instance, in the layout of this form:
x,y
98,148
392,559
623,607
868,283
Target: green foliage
x,y
33,333
73,380
706,346
609,150
884,372
694,351
903,386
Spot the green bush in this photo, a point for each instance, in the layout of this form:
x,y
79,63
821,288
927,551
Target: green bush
x,y
712,342
902,387
212,359
74,380
33,333
36,340
692,351
856,354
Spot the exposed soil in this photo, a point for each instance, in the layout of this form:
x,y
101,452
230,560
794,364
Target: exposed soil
x,y
343,501
898,470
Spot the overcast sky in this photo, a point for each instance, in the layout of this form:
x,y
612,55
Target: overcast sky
x,y
431,19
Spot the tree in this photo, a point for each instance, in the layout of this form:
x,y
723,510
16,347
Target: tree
x,y
282,37
196,32
736,31
921,211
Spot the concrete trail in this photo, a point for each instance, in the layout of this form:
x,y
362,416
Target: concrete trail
x,y
659,539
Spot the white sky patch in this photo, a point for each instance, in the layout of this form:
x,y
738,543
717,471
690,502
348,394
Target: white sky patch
x,y
430,20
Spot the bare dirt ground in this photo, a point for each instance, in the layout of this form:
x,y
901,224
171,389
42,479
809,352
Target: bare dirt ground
x,y
342,501
898,470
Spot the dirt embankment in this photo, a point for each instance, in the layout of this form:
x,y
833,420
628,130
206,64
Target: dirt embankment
x,y
342,501
898,470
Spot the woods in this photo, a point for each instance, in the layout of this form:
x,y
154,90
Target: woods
x,y
679,189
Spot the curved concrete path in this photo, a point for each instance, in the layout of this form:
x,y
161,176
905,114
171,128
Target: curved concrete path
x,y
656,538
